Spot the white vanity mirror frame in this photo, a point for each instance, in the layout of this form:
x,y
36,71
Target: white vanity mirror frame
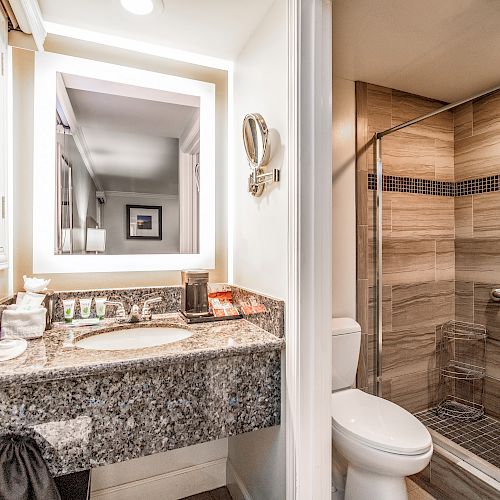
x,y
47,65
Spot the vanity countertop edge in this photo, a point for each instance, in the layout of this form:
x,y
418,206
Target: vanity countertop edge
x,y
48,359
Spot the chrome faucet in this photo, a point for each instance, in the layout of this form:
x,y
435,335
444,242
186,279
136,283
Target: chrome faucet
x,y
121,315
146,308
135,316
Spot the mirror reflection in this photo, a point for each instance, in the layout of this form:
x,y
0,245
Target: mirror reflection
x,y
127,169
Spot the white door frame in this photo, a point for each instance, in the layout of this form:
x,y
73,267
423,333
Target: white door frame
x,y
309,309
4,146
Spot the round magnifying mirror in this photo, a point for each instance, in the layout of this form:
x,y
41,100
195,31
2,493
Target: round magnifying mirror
x,y
256,140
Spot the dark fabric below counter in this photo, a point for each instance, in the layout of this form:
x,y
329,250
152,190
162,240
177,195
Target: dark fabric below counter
x,y
24,475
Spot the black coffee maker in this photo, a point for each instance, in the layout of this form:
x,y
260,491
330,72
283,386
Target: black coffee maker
x,y
195,293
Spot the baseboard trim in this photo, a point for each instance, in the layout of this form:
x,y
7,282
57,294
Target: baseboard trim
x,y
170,485
235,484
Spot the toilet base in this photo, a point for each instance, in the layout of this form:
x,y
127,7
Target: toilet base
x,y
366,485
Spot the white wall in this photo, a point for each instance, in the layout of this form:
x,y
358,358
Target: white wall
x,y
344,198
260,224
261,227
115,223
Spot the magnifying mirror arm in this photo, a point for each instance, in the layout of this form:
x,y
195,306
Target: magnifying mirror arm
x,y
273,176
258,179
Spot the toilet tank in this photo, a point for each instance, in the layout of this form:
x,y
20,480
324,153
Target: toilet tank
x,y
346,340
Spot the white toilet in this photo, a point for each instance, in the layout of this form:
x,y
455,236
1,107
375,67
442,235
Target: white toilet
x,y
376,443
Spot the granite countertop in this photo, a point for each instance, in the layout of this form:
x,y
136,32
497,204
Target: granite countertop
x,y
54,357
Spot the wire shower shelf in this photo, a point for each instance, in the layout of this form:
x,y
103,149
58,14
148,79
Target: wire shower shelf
x,y
461,352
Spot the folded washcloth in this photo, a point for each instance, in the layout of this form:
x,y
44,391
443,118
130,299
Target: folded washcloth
x,y
23,324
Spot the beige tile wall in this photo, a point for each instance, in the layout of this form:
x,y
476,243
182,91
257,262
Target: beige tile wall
x,y
477,218
477,138
441,255
418,250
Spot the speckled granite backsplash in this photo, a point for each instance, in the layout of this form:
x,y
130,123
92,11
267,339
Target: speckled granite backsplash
x,y
272,320
128,296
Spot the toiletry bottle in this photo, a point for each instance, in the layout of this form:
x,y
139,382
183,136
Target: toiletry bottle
x,y
85,305
69,310
100,307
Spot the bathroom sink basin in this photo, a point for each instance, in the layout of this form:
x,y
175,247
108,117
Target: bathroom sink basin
x,y
133,338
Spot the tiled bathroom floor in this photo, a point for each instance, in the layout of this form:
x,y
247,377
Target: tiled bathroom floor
x,y
481,437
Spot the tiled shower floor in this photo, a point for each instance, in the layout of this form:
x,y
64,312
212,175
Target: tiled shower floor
x,y
481,437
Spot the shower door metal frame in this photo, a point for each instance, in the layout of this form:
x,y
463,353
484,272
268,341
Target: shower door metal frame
x,y
379,226
379,267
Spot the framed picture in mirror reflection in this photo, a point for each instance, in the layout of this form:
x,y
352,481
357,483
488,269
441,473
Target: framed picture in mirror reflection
x,y
144,222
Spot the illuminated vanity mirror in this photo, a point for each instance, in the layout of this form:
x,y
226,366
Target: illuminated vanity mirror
x,y
123,169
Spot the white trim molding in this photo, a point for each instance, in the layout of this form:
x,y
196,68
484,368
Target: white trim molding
x,y
30,20
189,141
138,46
10,170
5,126
170,485
235,484
127,194
77,131
308,352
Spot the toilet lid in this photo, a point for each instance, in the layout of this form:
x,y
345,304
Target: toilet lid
x,y
378,423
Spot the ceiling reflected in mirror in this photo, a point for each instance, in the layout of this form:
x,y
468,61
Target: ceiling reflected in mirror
x,y
120,146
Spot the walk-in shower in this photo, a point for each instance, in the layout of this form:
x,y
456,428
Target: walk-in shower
x,y
428,230
379,214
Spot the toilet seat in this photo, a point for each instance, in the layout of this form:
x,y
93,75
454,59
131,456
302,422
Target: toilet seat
x,y
378,423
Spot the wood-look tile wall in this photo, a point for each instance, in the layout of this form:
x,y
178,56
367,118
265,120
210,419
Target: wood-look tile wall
x,y
441,255
477,138
477,244
418,244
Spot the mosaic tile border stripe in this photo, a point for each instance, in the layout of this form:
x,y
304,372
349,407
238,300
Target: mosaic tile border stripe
x,y
478,186
430,187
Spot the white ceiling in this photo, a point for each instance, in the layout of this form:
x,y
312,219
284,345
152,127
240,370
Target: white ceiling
x,y
218,28
444,49
133,143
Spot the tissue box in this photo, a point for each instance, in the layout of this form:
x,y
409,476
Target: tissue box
x,y
23,324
